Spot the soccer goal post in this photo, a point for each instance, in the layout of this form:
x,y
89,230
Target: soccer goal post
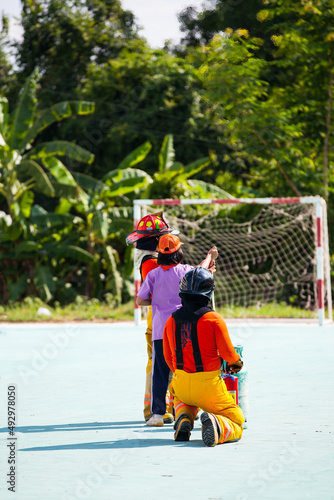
x,y
270,249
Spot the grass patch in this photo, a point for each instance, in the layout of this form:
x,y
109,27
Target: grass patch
x,y
271,310
80,310
94,310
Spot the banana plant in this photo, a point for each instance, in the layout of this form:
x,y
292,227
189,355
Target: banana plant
x,y
24,167
108,218
172,178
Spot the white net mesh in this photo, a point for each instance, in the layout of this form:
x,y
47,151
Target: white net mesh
x,y
267,253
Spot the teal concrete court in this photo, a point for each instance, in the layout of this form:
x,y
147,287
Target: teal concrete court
x,y
80,432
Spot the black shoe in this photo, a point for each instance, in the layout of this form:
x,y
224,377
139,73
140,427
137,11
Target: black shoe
x,y
210,429
183,426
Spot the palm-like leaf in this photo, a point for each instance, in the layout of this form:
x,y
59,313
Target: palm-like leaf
x,y
27,247
22,118
207,190
132,159
136,156
44,283
194,167
31,169
167,153
89,183
60,148
100,225
59,171
3,119
17,288
51,219
128,181
171,173
56,113
73,252
115,282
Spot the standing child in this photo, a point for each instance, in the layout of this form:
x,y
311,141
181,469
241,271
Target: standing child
x,y
160,288
146,237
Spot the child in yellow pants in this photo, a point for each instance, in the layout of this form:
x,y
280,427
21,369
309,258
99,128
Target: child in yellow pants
x,y
207,390
194,338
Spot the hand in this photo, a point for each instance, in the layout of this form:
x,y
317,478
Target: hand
x,y
234,367
212,267
213,253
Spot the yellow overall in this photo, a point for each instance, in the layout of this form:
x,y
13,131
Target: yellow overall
x,y
207,390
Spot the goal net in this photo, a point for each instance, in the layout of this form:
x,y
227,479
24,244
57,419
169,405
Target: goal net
x,y
270,250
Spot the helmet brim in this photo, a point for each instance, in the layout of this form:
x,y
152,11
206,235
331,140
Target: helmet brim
x,y
135,236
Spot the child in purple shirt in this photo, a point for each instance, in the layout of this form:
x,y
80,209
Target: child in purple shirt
x,y
160,289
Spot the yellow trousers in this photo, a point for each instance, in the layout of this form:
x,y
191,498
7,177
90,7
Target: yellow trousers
x,y
207,390
148,382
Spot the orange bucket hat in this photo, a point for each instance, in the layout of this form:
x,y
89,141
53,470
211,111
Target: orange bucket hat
x,y
169,243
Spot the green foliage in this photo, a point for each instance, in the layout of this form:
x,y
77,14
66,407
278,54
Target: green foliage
x,y
145,95
242,108
172,179
24,223
62,38
6,70
200,27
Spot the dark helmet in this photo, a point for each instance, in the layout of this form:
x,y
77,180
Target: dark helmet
x,y
198,281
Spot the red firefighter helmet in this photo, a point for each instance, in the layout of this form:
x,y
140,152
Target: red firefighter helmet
x,y
148,226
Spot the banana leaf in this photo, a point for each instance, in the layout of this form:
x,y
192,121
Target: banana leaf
x,y
23,115
50,220
207,190
25,201
136,156
167,153
30,168
43,279
166,175
59,171
60,148
27,247
100,225
115,281
88,183
73,252
132,180
194,167
56,113
18,288
3,119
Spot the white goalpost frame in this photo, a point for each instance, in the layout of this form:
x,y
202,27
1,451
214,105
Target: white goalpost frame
x,y
322,258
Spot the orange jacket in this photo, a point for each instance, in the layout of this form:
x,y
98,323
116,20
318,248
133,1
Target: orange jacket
x,y
147,266
213,340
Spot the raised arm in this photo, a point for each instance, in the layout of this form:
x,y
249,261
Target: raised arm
x,y
209,261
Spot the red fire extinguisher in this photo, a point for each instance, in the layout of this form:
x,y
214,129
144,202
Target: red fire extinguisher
x,y
231,382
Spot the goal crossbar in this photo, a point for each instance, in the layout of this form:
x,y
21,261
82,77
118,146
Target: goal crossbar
x,y
322,253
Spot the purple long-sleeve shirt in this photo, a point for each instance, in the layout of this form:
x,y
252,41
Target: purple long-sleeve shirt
x,y
163,286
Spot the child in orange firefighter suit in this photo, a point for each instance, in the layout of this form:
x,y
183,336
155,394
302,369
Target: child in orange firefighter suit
x,y
194,340
160,288
146,237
